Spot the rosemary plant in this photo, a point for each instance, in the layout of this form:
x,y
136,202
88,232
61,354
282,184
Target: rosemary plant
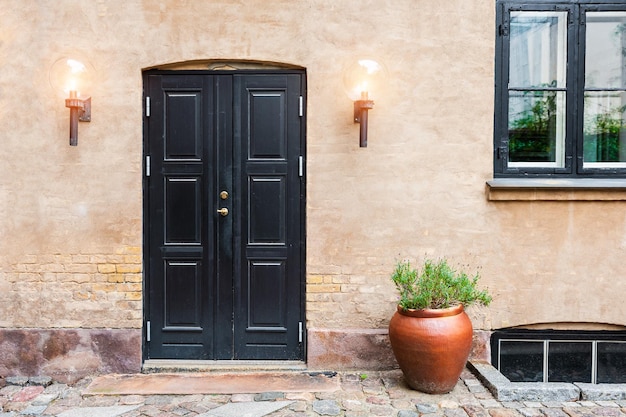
x,y
436,285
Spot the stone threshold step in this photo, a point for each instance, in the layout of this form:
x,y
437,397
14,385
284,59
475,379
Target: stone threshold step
x,y
226,382
172,365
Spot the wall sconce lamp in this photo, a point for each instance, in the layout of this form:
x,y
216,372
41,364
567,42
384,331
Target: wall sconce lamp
x,y
362,80
70,76
361,107
80,110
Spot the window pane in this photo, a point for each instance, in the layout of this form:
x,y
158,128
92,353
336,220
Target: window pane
x,y
522,361
536,128
605,128
611,363
605,105
538,53
605,55
569,362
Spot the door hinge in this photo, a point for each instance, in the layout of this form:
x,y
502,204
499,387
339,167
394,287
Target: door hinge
x,y
147,165
300,332
147,331
147,106
301,106
300,166
503,30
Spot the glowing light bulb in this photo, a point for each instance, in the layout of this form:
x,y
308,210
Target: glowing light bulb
x,y
364,78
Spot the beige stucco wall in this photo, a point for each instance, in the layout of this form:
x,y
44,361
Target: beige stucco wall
x,y
71,218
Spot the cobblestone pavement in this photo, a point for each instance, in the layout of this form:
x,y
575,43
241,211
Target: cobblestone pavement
x,y
360,395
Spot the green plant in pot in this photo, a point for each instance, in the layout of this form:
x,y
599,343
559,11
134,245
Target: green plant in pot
x,y
430,333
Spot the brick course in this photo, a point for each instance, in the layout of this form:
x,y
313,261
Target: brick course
x,y
75,290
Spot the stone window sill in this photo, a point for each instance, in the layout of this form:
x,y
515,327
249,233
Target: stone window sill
x,y
556,189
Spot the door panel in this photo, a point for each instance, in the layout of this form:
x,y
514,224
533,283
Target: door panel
x,y
182,205
224,286
183,135
177,195
268,289
266,210
267,125
183,285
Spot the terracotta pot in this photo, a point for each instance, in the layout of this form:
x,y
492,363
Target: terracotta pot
x,y
431,346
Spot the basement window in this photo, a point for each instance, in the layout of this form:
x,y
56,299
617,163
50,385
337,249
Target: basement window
x,y
560,356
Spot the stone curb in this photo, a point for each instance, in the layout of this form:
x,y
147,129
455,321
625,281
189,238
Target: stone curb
x,y
602,392
505,390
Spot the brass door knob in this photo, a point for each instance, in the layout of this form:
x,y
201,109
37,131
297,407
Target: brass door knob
x,y
223,211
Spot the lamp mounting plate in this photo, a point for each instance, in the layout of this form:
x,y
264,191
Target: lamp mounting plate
x,y
85,114
359,106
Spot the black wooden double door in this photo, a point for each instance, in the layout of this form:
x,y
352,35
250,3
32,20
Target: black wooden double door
x,y
224,215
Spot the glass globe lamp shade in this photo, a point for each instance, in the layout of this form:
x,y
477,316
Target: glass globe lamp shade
x,y
71,74
364,79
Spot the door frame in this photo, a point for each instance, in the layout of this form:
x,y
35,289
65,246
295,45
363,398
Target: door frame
x,y
250,70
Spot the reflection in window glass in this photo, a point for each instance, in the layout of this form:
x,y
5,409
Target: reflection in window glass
x,y
538,53
537,127
569,361
605,90
521,361
605,53
605,127
537,81
611,363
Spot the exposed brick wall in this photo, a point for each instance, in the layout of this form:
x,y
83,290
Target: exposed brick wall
x,y
350,300
73,290
324,284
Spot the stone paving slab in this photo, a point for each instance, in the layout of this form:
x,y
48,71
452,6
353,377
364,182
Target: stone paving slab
x,y
113,411
210,383
247,409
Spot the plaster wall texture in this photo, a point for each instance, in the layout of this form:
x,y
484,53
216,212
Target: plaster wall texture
x,y
418,189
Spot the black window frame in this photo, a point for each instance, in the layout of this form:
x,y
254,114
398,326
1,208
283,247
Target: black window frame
x,y
575,73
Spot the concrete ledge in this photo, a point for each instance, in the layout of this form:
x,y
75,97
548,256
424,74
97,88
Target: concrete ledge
x,y
556,189
602,392
505,390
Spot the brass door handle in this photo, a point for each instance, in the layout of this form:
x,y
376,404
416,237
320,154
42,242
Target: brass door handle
x,y
223,211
